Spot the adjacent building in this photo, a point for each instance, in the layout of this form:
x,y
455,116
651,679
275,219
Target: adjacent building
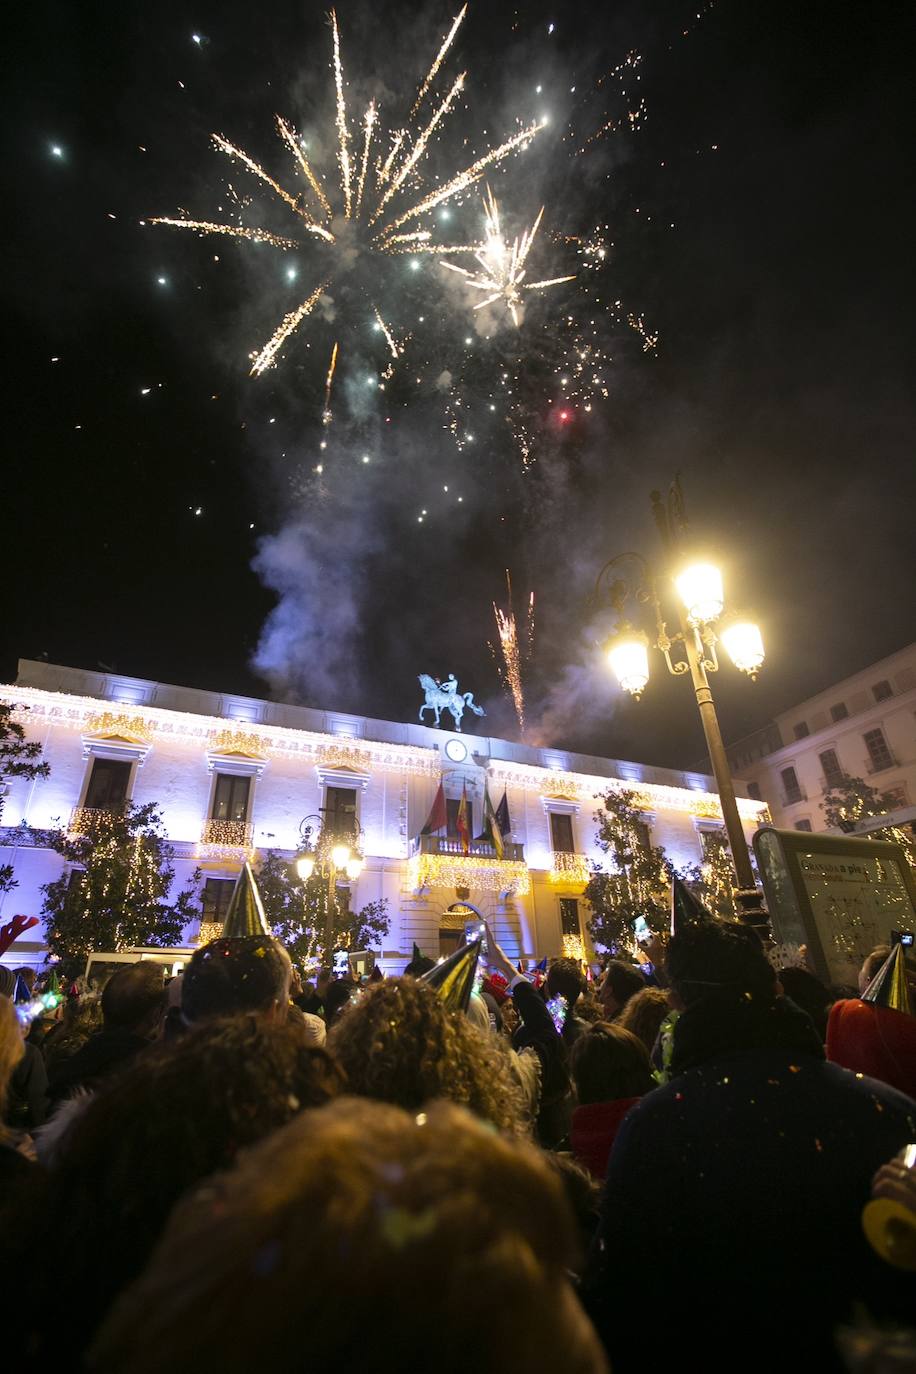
x,y
235,776
864,726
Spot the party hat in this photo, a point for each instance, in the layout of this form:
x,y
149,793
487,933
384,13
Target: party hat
x,y
453,979
21,993
245,915
541,965
888,987
376,976
417,952
685,907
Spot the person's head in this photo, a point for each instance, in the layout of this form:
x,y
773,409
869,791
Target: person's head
x,y
12,1049
337,998
321,982
621,982
347,1210
181,1112
247,973
400,1044
7,982
419,965
28,975
644,1014
564,979
133,999
871,965
608,1063
719,959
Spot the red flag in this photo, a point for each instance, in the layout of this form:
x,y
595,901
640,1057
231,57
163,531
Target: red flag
x,y
464,830
438,817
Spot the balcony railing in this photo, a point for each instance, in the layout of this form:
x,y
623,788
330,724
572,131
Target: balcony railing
x,y
881,765
569,868
793,795
92,820
226,839
437,861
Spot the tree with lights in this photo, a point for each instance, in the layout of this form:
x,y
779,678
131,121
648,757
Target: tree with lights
x,y
298,909
19,758
116,892
714,879
854,800
638,885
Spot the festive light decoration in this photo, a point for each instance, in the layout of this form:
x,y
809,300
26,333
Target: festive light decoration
x,y
209,930
574,948
90,820
229,840
107,725
569,868
376,198
468,871
238,742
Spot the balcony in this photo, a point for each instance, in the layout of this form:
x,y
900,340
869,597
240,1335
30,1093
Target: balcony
x,y
92,820
569,868
230,841
794,794
441,862
881,763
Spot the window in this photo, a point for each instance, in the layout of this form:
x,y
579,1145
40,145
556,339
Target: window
x,y
340,810
839,711
790,787
803,825
108,783
569,916
833,773
801,729
753,791
882,690
561,836
879,756
215,899
230,798
711,841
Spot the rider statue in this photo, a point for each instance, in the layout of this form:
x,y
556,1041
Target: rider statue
x,y
445,696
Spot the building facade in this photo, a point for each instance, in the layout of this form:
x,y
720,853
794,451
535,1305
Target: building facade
x,y
864,726
235,777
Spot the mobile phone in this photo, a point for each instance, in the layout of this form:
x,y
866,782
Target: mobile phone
x,y
902,937
641,929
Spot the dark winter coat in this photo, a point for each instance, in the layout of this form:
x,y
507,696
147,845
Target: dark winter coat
x,y
733,1200
103,1054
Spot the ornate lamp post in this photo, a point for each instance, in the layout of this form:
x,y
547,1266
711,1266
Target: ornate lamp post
x,y
333,854
701,601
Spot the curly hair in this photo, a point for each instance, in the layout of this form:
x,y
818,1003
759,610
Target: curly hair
x,y
180,1112
644,1013
400,1044
437,1227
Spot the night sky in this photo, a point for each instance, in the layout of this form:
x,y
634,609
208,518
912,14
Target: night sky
x,y
759,219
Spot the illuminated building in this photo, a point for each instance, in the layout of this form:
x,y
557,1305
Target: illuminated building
x,y
234,776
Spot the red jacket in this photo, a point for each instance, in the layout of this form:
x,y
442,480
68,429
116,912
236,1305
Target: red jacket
x,y
593,1130
875,1041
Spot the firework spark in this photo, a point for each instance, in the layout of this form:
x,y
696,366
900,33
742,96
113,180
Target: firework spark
x,y
377,194
503,270
515,651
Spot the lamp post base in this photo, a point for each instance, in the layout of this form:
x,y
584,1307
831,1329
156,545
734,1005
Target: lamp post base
x,y
749,901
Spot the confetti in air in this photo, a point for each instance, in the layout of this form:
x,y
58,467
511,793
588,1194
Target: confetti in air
x,y
379,205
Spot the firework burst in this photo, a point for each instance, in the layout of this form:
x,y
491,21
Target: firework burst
x,y
379,203
514,650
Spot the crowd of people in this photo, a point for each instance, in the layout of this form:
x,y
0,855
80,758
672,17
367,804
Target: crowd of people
x,y
463,1167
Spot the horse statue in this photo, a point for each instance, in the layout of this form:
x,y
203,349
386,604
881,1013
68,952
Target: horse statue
x,y
444,696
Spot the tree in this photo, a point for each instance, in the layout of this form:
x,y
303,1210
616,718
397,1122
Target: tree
x,y
855,800
297,911
639,883
116,894
714,880
19,758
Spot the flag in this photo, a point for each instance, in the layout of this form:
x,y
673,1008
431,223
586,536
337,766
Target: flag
x,y
438,817
491,822
464,832
502,816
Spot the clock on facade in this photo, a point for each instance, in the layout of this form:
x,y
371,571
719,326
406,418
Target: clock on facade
x,y
456,750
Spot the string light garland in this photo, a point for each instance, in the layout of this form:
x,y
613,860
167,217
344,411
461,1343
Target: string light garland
x,y
569,868
468,871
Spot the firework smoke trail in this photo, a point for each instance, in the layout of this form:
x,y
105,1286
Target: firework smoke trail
x,y
329,382
514,653
503,267
381,211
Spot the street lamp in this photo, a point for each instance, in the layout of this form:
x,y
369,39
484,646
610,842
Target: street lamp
x,y
331,855
698,583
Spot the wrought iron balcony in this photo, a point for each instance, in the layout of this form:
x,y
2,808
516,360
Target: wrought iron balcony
x,y
569,868
92,820
226,839
437,861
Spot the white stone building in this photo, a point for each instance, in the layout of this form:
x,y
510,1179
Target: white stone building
x,y
864,726
233,776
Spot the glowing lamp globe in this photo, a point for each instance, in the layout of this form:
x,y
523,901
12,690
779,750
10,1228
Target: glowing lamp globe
x,y
628,655
354,868
305,866
744,646
340,855
700,588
